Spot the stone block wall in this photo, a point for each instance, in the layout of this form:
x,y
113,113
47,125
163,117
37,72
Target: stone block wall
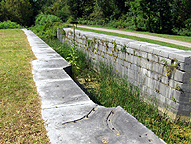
x,y
162,73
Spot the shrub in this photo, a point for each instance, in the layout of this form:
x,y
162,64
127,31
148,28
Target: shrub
x,y
183,32
42,19
9,25
46,25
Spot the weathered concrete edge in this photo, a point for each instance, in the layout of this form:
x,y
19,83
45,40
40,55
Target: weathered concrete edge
x,y
41,81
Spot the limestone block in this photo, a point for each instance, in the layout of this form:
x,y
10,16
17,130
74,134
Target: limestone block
x,y
109,50
121,62
149,48
184,112
186,88
144,54
160,98
130,50
166,59
178,76
137,60
128,57
163,89
181,55
164,79
154,49
135,45
185,106
149,65
172,104
175,84
143,47
122,55
153,57
144,71
127,64
110,45
122,42
159,52
153,75
149,82
138,53
158,68
187,78
180,96
169,50
185,67
144,63
131,73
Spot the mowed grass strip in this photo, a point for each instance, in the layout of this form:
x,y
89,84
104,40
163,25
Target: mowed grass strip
x,y
143,39
20,107
169,36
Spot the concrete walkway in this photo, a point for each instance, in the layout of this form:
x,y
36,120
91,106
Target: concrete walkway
x,y
70,116
176,42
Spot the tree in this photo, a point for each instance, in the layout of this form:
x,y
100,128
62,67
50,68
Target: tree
x,y
19,11
165,16
80,8
152,15
148,8
181,13
4,14
60,9
135,11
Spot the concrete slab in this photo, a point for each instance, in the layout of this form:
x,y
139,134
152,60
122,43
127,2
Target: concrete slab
x,y
47,64
70,116
63,92
49,74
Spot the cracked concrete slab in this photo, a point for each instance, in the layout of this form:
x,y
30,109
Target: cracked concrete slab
x,y
70,115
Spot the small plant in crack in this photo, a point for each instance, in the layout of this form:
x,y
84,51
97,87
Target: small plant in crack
x,y
157,90
177,87
159,78
114,45
90,44
106,44
123,48
169,68
94,39
173,98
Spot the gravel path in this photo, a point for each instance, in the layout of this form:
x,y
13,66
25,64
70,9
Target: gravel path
x,y
176,42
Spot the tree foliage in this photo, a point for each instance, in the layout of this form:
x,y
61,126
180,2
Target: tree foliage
x,y
19,11
160,16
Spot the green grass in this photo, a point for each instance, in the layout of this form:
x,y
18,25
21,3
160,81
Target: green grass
x,y
109,90
20,108
174,37
140,39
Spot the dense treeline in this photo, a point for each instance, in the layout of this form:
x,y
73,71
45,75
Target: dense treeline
x,y
160,16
